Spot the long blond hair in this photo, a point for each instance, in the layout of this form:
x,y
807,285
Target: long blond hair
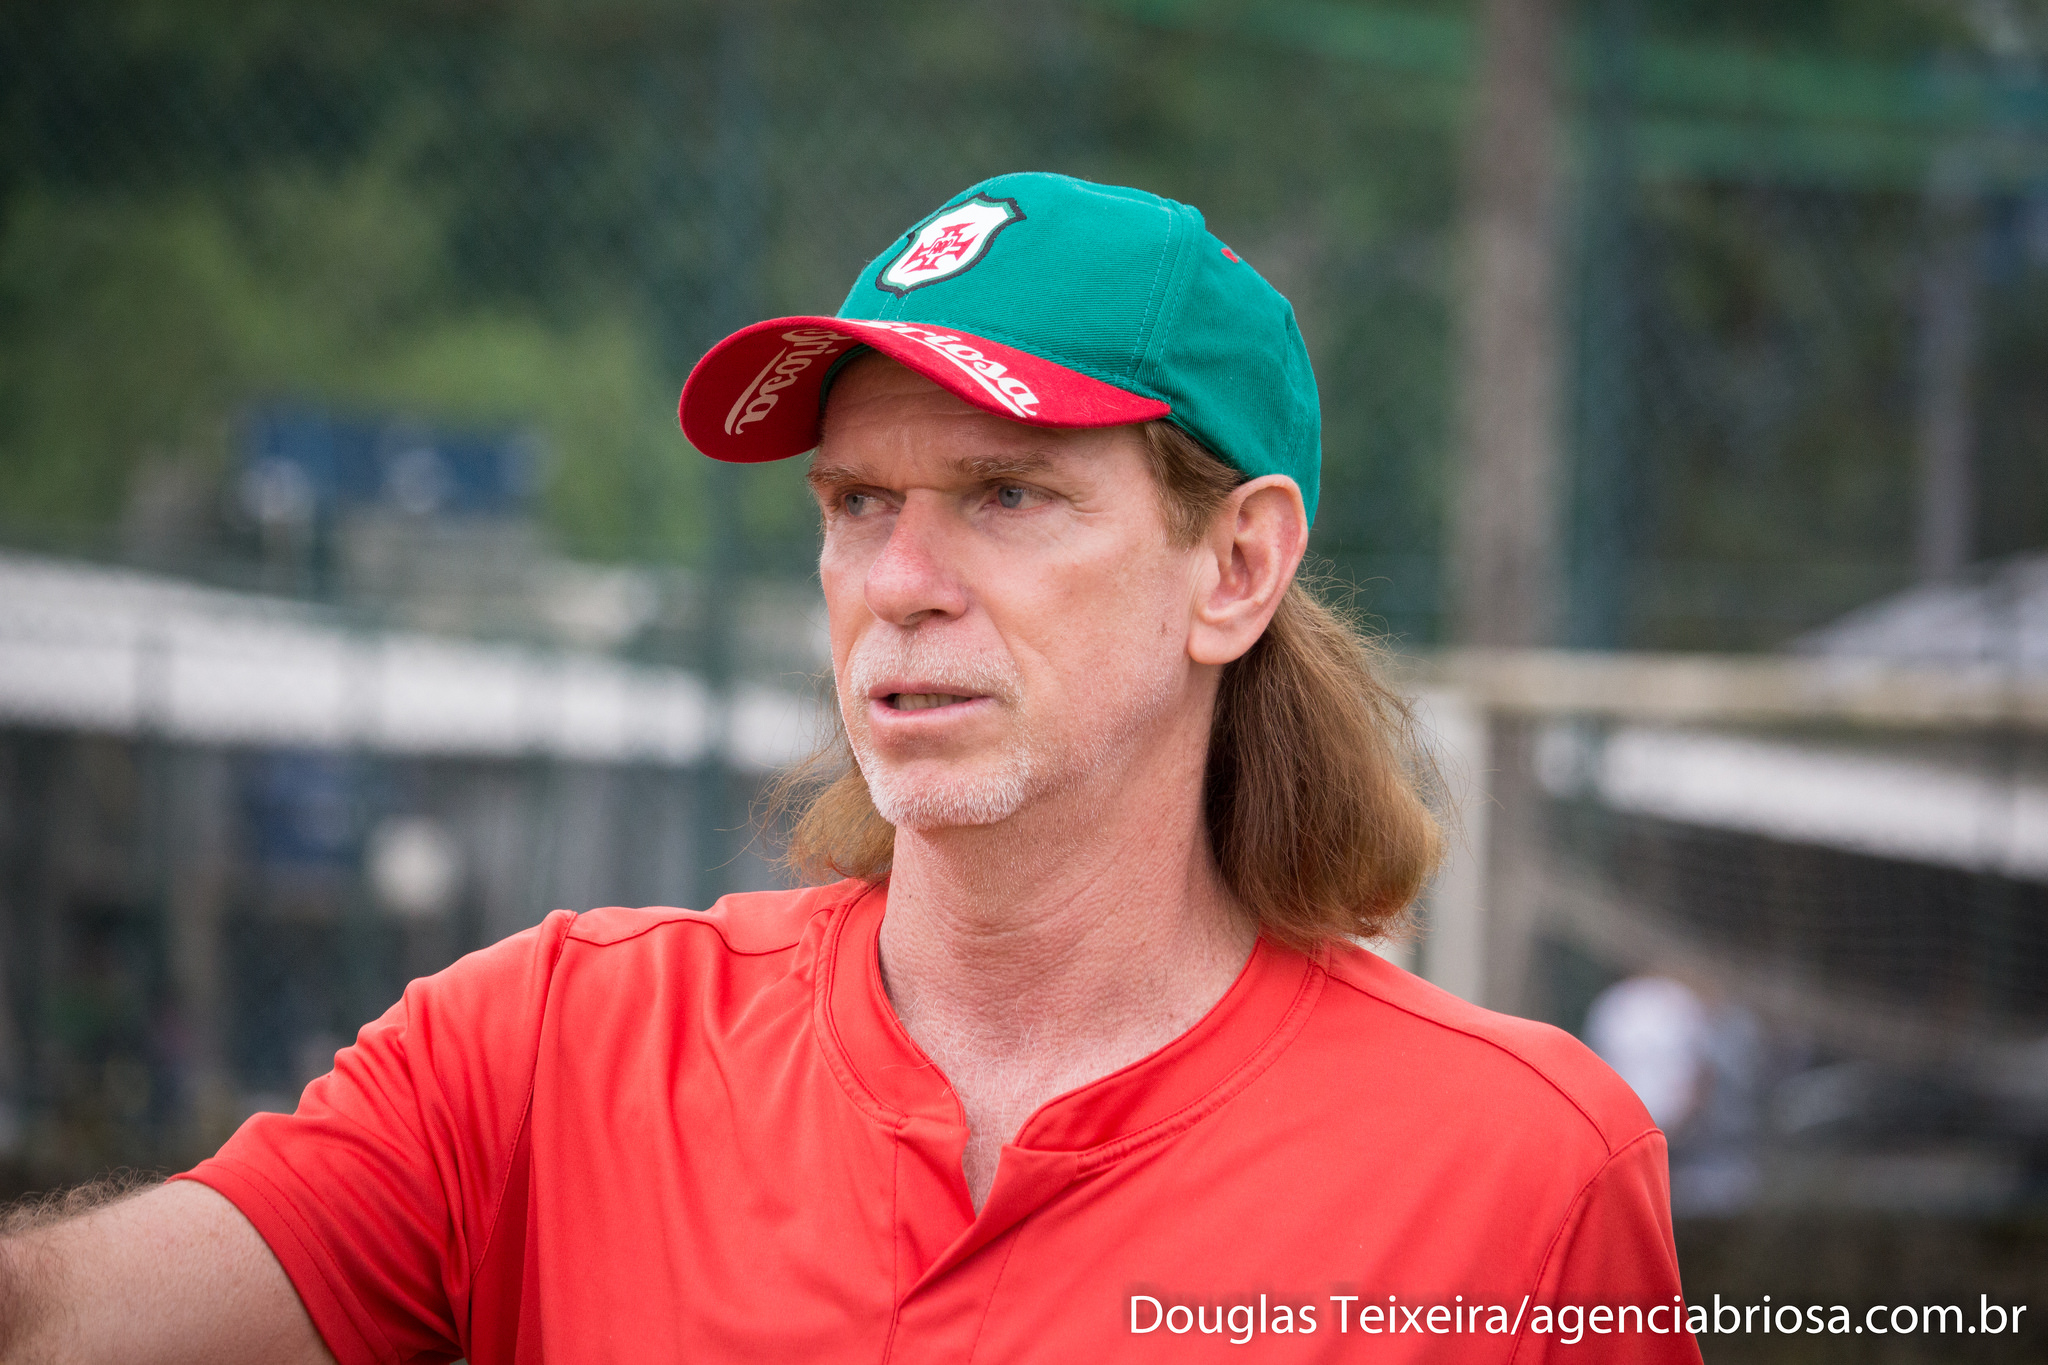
x,y
1314,794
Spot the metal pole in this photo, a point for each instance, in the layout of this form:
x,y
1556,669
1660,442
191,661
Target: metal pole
x,y
1502,566
1607,495
738,222
1948,348
1502,554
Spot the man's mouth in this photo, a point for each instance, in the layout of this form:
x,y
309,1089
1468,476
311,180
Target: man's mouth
x,y
923,701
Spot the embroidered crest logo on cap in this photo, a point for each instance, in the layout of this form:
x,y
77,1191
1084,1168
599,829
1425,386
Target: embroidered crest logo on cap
x,y
1046,300
948,244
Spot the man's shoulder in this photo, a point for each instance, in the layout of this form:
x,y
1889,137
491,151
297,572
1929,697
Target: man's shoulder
x,y
1487,1048
747,923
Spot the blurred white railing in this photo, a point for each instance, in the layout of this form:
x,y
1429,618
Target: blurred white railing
x,y
117,651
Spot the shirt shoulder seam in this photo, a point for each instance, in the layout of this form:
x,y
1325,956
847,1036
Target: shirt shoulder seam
x,y
700,918
1496,1044
519,1128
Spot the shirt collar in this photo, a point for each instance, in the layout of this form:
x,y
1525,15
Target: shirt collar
x,y
1148,1101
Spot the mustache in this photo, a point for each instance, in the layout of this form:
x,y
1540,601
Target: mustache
x,y
900,654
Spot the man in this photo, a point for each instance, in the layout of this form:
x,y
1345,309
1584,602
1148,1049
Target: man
x,y
1078,1060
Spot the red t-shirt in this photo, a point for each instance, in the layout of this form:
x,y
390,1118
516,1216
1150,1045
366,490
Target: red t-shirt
x,y
645,1135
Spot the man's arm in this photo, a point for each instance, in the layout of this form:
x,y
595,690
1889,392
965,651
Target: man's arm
x,y
169,1276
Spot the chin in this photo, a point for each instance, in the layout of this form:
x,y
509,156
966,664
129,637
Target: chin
x,y
929,795
927,804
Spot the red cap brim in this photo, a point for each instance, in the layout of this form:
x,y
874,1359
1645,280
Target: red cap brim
x,y
754,396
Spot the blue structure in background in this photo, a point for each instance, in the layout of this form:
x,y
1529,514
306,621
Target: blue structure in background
x,y
301,808
303,464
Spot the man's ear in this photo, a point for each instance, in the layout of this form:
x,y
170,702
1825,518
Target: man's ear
x,y
1247,559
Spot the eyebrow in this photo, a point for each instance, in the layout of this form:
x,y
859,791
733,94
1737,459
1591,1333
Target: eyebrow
x,y
827,478
1024,465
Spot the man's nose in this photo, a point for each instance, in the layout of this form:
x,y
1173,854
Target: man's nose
x,y
915,576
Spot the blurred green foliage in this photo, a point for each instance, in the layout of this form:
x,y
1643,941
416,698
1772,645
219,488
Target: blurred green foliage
x,y
526,213
211,206
141,325
535,213
512,213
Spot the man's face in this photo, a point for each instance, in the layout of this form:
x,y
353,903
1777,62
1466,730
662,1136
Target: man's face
x,y
1009,618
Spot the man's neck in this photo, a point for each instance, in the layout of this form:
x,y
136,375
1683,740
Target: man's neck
x,y
1031,958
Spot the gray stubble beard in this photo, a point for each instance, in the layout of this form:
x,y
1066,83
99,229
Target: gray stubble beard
x,y
983,798
1026,771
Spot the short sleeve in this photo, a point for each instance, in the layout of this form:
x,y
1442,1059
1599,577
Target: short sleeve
x,y
380,1193
1610,1283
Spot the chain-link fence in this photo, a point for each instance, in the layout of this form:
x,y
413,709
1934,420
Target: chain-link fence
x,y
261,261
523,217
372,318
1799,902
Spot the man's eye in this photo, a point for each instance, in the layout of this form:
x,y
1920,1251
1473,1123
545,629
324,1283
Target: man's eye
x,y
857,504
1011,497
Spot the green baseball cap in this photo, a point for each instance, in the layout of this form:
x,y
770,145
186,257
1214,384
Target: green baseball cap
x,y
1050,301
